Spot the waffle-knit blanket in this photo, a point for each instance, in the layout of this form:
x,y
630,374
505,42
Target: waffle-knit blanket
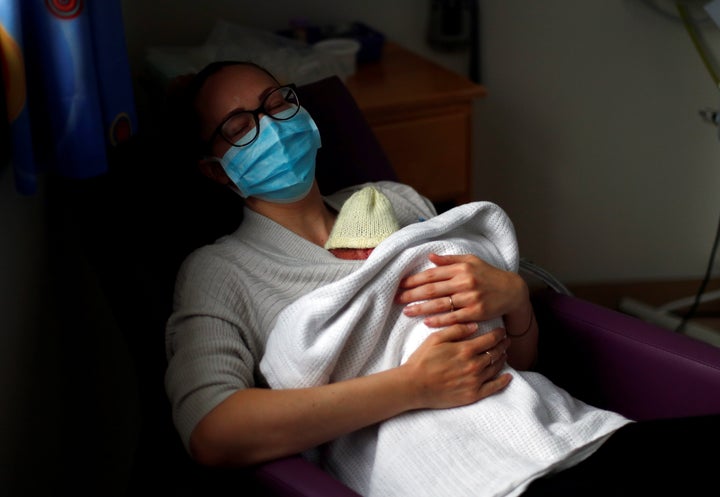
x,y
352,328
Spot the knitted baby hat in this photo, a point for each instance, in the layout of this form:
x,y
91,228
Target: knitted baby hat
x,y
367,217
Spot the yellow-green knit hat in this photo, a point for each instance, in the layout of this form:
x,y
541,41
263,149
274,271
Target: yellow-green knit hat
x,y
367,217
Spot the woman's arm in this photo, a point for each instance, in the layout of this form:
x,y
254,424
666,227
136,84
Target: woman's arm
x,y
255,425
479,292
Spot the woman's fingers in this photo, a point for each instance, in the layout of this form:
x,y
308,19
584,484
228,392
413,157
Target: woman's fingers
x,y
452,367
461,288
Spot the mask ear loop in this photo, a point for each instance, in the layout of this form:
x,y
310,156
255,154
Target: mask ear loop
x,y
235,188
212,168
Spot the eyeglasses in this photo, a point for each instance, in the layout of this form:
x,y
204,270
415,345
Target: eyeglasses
x,y
242,127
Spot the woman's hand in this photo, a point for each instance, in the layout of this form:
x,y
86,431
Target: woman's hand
x,y
466,289
461,289
450,369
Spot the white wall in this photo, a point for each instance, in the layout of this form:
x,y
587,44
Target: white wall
x,y
591,138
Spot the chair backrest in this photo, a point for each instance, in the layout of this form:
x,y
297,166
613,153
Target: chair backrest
x,y
350,153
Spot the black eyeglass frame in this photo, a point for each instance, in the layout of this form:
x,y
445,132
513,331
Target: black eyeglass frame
x,y
256,117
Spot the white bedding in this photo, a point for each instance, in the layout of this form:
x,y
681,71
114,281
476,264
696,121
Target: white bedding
x,y
352,328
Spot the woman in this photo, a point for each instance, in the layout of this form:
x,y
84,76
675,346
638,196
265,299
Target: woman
x,y
259,143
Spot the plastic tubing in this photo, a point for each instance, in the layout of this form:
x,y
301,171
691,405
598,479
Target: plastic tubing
x,y
692,31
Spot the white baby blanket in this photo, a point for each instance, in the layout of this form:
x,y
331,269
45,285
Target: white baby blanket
x,y
352,328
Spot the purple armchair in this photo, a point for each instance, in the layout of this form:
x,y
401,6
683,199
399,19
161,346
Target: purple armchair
x,y
599,355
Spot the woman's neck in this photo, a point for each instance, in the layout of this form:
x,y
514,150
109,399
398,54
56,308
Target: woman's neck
x,y
309,218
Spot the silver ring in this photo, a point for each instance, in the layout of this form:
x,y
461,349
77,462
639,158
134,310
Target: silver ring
x,y
492,359
452,304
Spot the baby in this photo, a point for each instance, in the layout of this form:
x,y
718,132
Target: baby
x,y
366,218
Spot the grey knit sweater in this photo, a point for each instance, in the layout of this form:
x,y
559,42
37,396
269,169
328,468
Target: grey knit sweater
x,y
228,295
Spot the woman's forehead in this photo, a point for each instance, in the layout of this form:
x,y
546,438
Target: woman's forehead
x,y
236,86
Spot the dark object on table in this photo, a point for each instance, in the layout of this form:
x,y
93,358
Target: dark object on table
x,y
371,41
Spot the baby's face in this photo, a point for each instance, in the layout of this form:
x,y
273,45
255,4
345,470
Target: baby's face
x,y
351,254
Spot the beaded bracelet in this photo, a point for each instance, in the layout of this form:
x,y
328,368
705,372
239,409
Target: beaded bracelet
x,y
518,335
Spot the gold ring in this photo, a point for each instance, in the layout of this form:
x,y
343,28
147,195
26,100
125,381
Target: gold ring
x,y
452,304
492,360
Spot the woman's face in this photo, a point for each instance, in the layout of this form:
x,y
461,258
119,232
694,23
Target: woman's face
x,y
232,88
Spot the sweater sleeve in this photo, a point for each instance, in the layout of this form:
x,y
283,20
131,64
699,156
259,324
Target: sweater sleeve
x,y
207,358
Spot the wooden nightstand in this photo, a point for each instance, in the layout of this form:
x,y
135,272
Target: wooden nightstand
x,y
422,115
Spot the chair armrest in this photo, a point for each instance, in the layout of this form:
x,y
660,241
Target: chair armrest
x,y
297,477
622,363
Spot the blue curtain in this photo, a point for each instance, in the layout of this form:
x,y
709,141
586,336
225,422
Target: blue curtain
x,y
67,85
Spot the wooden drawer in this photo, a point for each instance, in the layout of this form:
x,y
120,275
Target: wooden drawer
x,y
431,153
422,115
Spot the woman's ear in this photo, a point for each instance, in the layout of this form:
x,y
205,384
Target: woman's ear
x,y
212,169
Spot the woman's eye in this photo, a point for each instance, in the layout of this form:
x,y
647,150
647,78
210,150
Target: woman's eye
x,y
275,102
238,127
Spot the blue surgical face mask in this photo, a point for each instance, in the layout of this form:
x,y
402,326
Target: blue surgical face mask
x,y
279,166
